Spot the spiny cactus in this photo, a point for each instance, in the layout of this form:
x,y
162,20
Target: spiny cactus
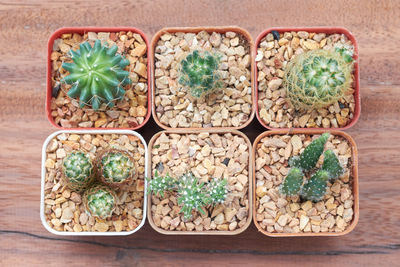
x,y
77,169
293,182
332,165
97,75
199,73
217,190
191,194
318,78
309,158
100,201
314,188
161,184
117,168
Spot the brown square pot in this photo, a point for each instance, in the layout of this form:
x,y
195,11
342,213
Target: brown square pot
x,y
206,232
354,173
222,29
82,30
327,30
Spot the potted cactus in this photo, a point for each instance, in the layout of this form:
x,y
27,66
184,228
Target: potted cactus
x,y
202,77
93,183
306,183
307,78
97,78
200,182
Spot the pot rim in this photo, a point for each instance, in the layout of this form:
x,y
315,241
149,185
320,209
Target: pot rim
x,y
56,34
209,29
43,174
317,29
354,157
250,186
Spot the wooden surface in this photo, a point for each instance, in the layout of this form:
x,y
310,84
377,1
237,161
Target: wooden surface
x,y
24,30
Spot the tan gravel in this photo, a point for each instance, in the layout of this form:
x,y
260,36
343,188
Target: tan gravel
x,y
278,214
206,155
64,209
271,60
129,112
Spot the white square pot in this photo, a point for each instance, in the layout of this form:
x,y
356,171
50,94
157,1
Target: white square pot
x,y
119,132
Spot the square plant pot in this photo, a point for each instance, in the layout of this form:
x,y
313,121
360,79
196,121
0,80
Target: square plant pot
x,y
276,215
56,197
276,47
229,106
131,112
207,154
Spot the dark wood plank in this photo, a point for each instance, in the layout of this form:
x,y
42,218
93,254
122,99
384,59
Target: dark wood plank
x,y
24,29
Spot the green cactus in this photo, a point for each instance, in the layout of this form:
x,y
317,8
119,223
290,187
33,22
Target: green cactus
x,y
311,154
199,73
97,75
192,195
217,190
117,168
318,78
315,188
100,201
77,168
160,184
293,182
332,165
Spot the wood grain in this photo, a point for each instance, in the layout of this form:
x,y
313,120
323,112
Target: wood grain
x,y
24,29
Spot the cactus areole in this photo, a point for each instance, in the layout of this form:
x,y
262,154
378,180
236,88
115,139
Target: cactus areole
x,y
199,73
318,78
97,75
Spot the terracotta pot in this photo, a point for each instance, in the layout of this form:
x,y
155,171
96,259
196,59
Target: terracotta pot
x,y
206,232
225,29
354,159
82,30
327,30
43,182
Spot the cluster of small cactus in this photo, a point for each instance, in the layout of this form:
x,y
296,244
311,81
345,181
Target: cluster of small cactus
x,y
97,75
191,193
318,78
115,168
315,187
199,72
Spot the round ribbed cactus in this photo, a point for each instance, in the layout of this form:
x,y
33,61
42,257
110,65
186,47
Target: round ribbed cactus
x,y
117,168
100,201
96,75
199,73
77,168
318,78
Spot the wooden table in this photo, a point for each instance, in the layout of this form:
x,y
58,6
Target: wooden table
x,y
24,30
